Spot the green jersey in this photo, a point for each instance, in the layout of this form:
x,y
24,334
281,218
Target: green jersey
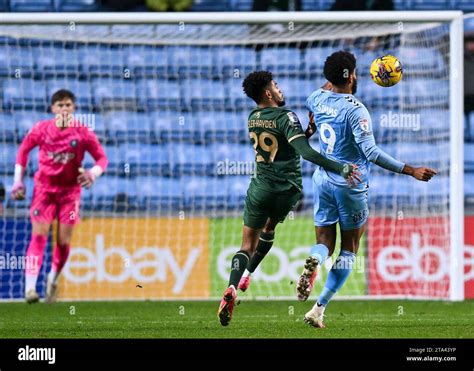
x,y
271,131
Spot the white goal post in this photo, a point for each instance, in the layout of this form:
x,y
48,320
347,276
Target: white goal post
x,y
305,27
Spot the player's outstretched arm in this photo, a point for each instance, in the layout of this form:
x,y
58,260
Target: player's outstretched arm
x,y
347,171
29,142
421,173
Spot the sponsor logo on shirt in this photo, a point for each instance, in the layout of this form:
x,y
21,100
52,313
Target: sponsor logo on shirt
x,y
364,124
63,157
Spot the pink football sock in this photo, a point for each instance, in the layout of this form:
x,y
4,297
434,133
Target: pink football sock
x,y
60,255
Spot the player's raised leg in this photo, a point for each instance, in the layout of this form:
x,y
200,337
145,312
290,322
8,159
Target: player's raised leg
x,y
265,243
325,218
238,264
337,276
324,247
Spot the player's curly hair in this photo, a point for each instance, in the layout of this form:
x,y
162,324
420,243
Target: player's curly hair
x,y
255,83
62,94
338,67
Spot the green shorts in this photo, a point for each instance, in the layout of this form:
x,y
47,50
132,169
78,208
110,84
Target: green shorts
x,y
261,205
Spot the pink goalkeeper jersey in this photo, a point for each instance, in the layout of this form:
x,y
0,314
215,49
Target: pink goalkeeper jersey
x,y
60,153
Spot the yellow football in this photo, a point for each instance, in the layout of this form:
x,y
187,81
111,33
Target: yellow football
x,y
386,71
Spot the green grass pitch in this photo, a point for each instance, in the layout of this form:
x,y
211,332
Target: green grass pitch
x,y
252,319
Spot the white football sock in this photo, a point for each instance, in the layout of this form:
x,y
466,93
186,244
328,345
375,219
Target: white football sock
x,y
30,282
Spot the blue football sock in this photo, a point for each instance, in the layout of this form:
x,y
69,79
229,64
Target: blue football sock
x,y
338,274
320,252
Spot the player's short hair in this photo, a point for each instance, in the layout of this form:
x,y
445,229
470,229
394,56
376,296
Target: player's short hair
x,y
62,94
338,67
255,83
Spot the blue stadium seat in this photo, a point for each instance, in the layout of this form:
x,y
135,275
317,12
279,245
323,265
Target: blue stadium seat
x,y
223,127
325,4
15,59
401,4
241,5
431,4
467,129
364,61
316,5
435,192
307,192
160,94
464,5
469,188
115,157
374,96
310,5
210,5
126,126
471,124
119,94
77,5
238,191
175,127
162,194
147,61
281,60
98,60
237,100
53,61
147,159
314,58
8,131
425,61
4,6
86,200
24,120
81,89
469,22
381,191
426,153
24,94
108,194
228,59
429,92
8,157
297,90
33,162
191,160
204,94
206,193
31,6
192,61
469,157
232,158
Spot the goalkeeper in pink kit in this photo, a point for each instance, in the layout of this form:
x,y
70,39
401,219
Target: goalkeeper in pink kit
x,y
62,143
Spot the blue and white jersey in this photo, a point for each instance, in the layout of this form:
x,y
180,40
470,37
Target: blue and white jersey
x,y
343,123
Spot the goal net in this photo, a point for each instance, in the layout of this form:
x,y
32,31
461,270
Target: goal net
x,y
165,98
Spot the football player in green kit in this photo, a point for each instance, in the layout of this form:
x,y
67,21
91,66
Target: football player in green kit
x,y
278,140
